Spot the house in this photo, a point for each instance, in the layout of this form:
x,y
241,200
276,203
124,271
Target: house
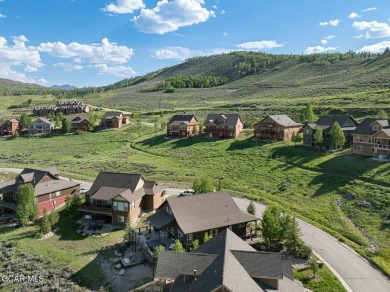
x,y
10,127
50,190
116,196
79,122
114,120
226,263
223,125
276,128
347,124
372,137
183,126
67,108
41,126
188,218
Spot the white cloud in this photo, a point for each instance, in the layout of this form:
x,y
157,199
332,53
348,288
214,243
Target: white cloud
x,y
369,9
225,34
373,29
332,22
3,16
260,45
325,39
181,53
169,16
215,7
223,12
120,71
30,69
124,6
69,67
354,15
8,73
105,52
376,48
318,49
324,42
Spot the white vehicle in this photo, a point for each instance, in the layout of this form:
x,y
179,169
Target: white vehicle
x,y
84,190
188,192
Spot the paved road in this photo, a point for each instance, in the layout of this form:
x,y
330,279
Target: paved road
x,y
353,271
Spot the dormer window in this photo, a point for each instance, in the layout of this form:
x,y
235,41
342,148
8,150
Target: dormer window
x,y
376,127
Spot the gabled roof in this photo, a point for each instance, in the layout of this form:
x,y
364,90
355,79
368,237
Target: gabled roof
x,y
365,128
330,120
111,115
220,120
206,211
161,219
385,131
42,120
182,118
383,123
34,176
75,119
227,261
282,120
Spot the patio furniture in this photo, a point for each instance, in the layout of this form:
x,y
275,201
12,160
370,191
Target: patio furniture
x,y
128,261
121,272
118,266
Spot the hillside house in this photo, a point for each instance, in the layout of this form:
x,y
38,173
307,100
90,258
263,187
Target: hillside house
x,y
114,120
41,126
67,108
183,126
372,137
116,196
10,127
223,125
226,263
50,190
79,122
276,128
188,218
347,124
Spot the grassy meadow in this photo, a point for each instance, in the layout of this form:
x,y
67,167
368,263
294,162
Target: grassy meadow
x,y
322,188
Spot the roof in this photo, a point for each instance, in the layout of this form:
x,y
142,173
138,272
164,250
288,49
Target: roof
x,y
364,128
223,119
53,170
53,186
226,260
182,118
207,211
161,219
330,120
111,115
385,131
131,187
384,123
34,175
44,120
282,120
75,119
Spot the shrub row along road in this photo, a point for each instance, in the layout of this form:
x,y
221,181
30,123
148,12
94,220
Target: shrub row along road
x,y
355,273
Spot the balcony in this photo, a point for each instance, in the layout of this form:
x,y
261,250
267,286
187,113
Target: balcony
x,y
96,209
9,205
382,146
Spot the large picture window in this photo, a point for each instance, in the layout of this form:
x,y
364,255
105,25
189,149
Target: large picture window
x,y
121,206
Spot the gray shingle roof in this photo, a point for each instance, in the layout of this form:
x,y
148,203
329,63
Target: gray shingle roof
x,y
226,119
182,118
207,211
111,115
364,128
161,219
330,120
284,121
54,186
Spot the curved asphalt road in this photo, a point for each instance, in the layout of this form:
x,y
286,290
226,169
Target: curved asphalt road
x,y
353,271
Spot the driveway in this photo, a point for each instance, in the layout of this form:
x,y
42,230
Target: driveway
x,y
353,271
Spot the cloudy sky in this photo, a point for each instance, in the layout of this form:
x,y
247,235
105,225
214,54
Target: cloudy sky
x,y
98,42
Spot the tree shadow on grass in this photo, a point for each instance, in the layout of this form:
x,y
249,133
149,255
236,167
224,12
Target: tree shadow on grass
x,y
245,144
160,140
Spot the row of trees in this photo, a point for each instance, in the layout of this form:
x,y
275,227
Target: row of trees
x,y
191,82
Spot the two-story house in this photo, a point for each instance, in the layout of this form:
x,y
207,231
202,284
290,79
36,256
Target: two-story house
x,y
226,263
79,122
372,137
183,126
41,126
116,196
114,120
50,190
188,218
347,124
223,125
10,127
276,128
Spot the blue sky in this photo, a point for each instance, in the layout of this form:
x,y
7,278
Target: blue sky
x,y
99,42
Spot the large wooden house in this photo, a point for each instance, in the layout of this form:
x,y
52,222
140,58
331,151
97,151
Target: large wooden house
x,y
79,122
116,196
10,127
114,120
188,218
50,190
41,126
276,128
226,263
223,125
347,124
372,137
183,126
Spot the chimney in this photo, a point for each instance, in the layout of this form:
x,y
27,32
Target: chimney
x,y
195,271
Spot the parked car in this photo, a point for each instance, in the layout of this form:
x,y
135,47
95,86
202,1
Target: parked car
x,y
84,190
188,192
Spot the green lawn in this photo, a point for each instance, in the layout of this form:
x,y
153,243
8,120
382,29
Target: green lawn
x,y
303,182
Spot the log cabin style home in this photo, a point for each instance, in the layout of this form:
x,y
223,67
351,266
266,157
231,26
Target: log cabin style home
x,y
41,126
114,120
372,137
79,122
183,126
223,125
50,190
10,127
347,124
276,128
114,197
188,218
226,263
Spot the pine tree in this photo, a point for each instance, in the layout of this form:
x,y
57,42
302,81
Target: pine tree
x,y
251,209
308,114
337,138
45,224
270,223
293,243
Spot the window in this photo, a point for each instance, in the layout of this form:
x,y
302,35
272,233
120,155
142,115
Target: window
x,y
190,237
121,219
241,225
132,205
180,235
376,127
121,206
358,138
213,232
359,148
58,193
